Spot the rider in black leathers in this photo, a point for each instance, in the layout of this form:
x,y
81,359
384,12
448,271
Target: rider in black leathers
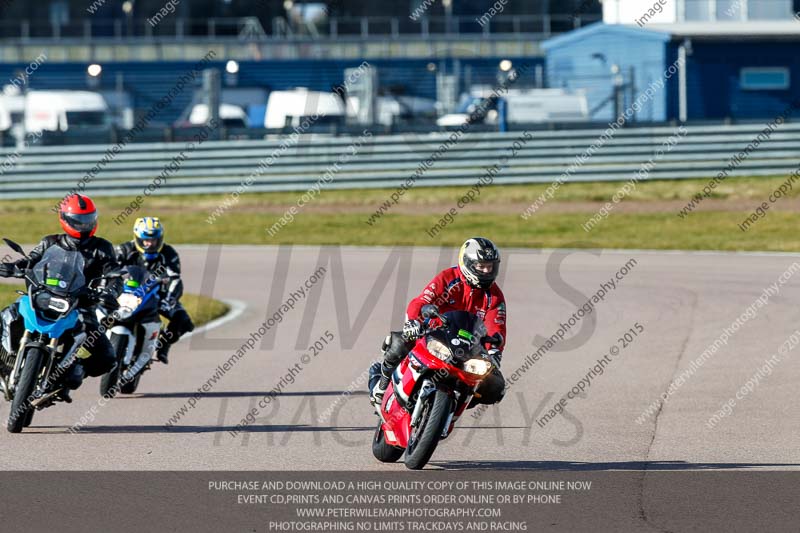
x,y
78,217
148,250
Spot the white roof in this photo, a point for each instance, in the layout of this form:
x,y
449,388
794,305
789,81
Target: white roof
x,y
74,100
734,29
199,114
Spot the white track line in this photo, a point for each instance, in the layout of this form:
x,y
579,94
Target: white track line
x,y
237,307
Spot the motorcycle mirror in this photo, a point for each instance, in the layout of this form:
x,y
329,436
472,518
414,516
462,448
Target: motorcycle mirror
x,y
429,311
14,246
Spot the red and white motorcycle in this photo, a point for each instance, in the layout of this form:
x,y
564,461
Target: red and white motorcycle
x,y
431,388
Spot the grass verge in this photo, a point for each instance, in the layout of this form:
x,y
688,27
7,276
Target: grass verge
x,y
200,308
647,218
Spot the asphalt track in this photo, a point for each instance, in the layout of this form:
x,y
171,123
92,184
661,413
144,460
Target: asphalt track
x,y
682,300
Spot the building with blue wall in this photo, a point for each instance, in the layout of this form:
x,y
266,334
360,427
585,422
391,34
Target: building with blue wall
x,y
733,71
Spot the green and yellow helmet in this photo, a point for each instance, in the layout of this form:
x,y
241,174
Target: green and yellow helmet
x,y
148,236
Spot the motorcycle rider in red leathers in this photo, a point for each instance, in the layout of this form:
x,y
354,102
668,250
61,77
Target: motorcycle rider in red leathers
x,y
470,286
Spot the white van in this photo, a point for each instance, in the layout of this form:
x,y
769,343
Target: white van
x,y
547,105
522,106
61,110
288,108
12,110
231,116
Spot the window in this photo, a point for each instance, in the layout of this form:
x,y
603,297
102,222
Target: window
x,y
732,10
764,78
86,118
695,10
770,10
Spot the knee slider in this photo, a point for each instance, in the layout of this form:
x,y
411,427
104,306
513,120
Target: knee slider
x,y
386,343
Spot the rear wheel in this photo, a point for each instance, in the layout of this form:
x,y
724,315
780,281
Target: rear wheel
x,y
108,383
426,435
383,452
21,409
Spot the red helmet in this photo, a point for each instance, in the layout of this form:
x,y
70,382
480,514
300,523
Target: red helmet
x,y
78,216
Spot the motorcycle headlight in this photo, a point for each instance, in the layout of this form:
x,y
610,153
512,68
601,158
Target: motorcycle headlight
x,y
59,305
48,303
130,301
439,349
478,367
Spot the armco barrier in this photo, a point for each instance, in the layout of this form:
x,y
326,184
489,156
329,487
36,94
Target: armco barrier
x,y
386,161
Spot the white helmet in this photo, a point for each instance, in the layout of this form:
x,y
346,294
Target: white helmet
x,y
479,262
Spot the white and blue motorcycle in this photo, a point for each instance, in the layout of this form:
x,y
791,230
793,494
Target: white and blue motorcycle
x,y
133,330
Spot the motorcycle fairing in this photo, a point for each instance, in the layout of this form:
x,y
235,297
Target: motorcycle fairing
x,y
34,323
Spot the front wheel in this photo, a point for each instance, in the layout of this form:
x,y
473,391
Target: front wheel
x,y
129,387
383,452
426,436
21,408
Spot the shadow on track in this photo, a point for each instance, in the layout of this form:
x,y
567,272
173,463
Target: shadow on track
x,y
235,394
579,466
277,428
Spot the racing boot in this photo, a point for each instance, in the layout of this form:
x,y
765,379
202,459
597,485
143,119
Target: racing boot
x,y
71,380
162,353
394,348
382,383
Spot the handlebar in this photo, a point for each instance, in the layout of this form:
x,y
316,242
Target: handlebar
x,y
494,340
428,329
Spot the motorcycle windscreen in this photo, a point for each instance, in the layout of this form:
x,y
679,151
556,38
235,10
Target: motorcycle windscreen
x,y
139,281
468,328
61,271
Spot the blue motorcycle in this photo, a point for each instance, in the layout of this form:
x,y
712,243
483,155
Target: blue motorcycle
x,y
133,329
31,366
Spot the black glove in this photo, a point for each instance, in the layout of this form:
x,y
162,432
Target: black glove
x,y
8,270
166,306
108,301
494,340
496,356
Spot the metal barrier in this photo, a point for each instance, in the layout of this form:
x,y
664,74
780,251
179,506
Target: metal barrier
x,y
179,29
388,161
